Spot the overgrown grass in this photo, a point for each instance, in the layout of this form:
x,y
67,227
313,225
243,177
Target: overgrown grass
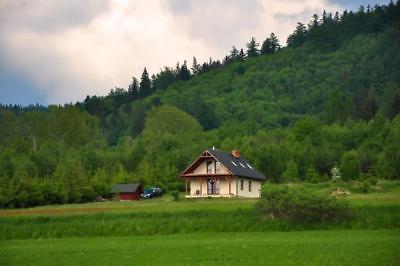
x,y
347,247
153,223
377,210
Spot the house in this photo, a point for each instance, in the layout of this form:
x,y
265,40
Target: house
x,y
127,191
217,173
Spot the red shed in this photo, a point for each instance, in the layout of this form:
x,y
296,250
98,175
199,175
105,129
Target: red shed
x,y
127,191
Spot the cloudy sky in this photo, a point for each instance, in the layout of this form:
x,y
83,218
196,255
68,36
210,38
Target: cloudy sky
x,y
58,51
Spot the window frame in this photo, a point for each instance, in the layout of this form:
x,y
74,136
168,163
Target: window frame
x,y
249,185
241,184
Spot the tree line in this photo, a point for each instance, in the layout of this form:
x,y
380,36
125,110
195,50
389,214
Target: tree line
x,y
295,112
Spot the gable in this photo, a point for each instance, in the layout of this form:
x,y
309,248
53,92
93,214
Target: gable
x,y
199,166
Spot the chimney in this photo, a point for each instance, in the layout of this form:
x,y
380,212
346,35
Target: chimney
x,y
236,153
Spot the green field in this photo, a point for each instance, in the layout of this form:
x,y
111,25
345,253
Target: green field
x,y
208,231
273,248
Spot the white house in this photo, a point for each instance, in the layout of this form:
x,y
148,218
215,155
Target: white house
x,y
220,174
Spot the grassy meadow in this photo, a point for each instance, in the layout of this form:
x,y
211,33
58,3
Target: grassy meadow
x,y
207,231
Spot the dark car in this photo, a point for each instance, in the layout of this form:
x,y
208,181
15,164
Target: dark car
x,y
151,193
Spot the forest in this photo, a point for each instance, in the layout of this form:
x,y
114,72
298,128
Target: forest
x,y
329,97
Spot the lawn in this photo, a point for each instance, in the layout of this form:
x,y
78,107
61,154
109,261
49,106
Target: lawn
x,y
342,247
205,231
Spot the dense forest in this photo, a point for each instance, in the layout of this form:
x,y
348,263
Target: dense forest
x,y
329,97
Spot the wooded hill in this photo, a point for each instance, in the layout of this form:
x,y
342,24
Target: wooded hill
x,y
330,97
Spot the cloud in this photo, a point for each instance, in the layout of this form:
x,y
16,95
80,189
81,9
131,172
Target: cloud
x,y
68,49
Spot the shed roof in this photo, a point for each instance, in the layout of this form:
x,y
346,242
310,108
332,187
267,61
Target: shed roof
x,y
125,188
237,166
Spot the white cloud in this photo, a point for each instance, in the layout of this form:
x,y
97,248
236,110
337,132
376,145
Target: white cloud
x,y
71,54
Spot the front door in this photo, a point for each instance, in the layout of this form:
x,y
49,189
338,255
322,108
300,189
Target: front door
x,y
212,187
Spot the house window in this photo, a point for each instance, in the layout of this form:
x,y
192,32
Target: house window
x,y
249,186
210,167
217,167
241,184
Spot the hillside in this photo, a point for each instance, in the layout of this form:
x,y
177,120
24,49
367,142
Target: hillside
x,y
330,97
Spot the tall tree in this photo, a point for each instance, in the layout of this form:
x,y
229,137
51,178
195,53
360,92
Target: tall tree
x,y
252,49
133,89
234,54
241,55
270,45
298,37
184,72
196,67
145,84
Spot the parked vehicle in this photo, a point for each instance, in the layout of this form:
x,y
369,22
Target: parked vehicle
x,y
151,193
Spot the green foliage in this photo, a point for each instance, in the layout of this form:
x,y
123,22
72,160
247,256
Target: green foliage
x,y
301,206
291,173
350,166
175,195
331,96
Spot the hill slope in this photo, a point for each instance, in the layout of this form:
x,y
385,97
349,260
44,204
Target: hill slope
x,y
332,97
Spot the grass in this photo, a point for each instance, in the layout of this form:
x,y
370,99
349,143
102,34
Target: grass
x,y
271,248
142,206
208,231
169,217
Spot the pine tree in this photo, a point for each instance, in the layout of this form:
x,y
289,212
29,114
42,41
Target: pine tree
x,y
315,22
270,45
234,54
291,173
145,84
184,73
252,50
241,55
195,66
298,37
133,89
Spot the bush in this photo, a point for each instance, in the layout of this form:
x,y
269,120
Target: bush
x,y
301,206
175,195
365,186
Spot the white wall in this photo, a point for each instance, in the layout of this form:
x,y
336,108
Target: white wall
x,y
255,188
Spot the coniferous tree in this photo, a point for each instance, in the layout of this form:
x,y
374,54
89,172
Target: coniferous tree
x,y
298,37
133,89
195,66
270,45
145,84
252,50
184,73
241,56
234,54
314,23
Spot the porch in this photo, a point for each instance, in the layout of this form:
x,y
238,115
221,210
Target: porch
x,y
210,186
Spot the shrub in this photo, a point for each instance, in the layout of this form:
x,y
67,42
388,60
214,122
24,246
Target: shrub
x,y
175,195
301,206
365,186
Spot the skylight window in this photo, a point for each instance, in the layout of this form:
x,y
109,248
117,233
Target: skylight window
x,y
248,165
235,164
242,165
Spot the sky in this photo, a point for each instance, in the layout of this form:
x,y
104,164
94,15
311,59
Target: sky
x,y
56,52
